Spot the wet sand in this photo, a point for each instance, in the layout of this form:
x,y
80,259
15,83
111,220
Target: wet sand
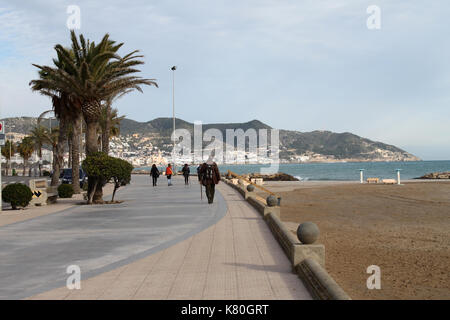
x,y
403,229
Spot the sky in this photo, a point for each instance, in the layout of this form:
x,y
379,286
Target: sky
x,y
300,65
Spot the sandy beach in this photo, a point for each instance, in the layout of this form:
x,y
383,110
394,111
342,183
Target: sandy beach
x,y
403,229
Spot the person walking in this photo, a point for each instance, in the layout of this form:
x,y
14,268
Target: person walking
x,y
186,172
209,176
169,174
154,173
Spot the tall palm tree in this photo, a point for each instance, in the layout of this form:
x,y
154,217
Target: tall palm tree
x,y
89,75
26,148
109,123
38,134
8,151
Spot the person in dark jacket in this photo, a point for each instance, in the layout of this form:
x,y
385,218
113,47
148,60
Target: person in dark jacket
x,y
186,171
154,173
209,176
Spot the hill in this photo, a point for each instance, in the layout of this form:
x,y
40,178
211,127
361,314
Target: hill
x,y
294,145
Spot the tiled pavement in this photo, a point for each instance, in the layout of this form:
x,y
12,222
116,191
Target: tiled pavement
x,y
236,258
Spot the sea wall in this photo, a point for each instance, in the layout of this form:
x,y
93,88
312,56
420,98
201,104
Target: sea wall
x,y
308,260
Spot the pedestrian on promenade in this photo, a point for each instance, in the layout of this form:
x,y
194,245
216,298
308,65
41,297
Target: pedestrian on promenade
x,y
154,173
186,171
209,176
169,173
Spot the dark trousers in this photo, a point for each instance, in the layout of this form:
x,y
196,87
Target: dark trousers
x,y
210,189
186,179
154,179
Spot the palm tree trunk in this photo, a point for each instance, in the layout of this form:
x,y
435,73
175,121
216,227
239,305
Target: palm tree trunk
x,y
105,132
75,154
95,191
24,167
7,166
58,155
69,159
40,161
91,137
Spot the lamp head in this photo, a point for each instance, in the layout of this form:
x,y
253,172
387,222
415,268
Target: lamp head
x,y
174,68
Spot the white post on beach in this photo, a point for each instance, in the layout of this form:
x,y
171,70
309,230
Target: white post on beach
x,y
398,175
361,175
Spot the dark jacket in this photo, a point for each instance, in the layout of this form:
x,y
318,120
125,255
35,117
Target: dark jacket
x,y
154,172
186,171
203,174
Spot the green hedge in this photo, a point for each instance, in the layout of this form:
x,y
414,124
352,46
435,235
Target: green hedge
x,y
17,194
65,191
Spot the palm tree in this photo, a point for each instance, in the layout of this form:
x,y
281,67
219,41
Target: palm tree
x,y
26,148
109,123
8,151
90,74
38,134
52,139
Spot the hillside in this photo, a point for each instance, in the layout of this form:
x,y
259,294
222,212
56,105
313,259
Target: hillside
x,y
294,145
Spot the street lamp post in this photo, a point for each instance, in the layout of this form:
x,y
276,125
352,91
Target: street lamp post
x,y
173,115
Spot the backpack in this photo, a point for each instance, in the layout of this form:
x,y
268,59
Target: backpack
x,y
209,172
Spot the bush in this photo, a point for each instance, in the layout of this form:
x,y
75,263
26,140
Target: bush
x,y
17,194
65,191
46,173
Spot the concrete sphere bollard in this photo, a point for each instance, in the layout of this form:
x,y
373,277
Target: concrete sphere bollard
x,y
271,201
308,232
250,188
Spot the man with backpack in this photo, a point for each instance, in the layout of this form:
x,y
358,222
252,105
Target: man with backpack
x,y
209,176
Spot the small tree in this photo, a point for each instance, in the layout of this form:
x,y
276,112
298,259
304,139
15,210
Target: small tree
x,y
98,171
102,168
120,173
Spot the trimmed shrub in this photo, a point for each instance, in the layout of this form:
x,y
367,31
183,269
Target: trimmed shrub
x,y
17,194
46,173
65,191
101,168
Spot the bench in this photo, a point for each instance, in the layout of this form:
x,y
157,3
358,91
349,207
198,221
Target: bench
x,y
373,180
389,181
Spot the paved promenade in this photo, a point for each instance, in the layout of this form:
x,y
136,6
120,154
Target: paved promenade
x,y
232,256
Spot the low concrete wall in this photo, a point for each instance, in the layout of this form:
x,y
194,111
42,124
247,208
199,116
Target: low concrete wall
x,y
320,284
308,261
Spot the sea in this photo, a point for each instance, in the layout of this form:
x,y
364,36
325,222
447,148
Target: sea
x,y
344,171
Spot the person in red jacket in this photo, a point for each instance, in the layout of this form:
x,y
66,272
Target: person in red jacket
x,y
169,174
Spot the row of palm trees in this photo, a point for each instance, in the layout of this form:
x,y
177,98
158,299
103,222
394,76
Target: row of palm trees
x,y
83,83
25,148
41,137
